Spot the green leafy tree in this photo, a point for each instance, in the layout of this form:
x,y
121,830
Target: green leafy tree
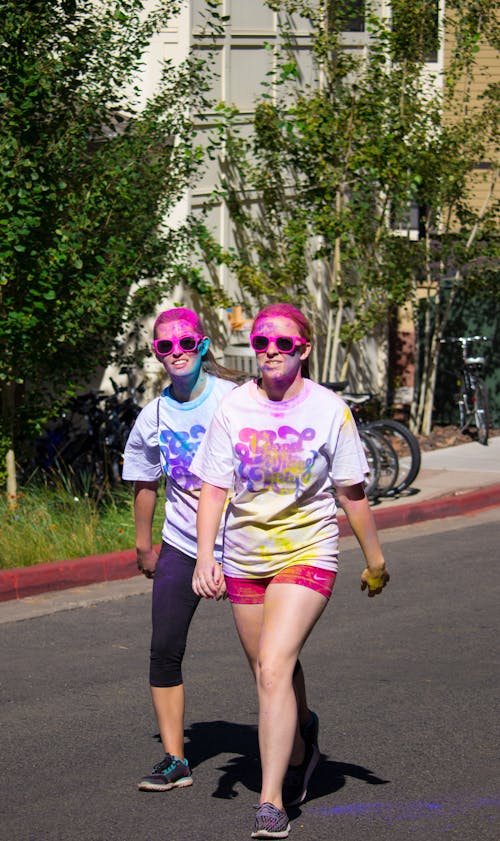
x,y
88,173
329,170
459,246
328,176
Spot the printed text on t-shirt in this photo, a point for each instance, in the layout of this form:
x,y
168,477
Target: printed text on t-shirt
x,y
275,459
178,449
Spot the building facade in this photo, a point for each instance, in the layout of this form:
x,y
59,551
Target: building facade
x,y
243,58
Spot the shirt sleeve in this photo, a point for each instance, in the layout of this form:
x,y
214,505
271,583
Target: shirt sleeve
x,y
349,465
213,462
142,451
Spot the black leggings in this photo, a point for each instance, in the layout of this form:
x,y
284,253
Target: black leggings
x,y
174,604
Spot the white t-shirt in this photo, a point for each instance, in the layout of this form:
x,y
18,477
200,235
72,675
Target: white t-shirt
x,y
164,439
282,458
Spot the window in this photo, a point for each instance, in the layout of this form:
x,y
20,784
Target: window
x,y
347,15
354,16
416,36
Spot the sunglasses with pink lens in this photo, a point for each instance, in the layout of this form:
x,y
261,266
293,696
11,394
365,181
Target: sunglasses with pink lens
x,y
285,344
164,347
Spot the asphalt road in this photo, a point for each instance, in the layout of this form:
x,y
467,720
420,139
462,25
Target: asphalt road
x,y
406,687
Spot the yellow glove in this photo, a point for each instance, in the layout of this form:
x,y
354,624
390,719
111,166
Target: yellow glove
x,y
374,582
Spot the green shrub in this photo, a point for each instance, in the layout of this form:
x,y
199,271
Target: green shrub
x,y
51,524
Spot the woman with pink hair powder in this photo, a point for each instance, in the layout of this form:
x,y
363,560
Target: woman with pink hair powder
x,y
281,442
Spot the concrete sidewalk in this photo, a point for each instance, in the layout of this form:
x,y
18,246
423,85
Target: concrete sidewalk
x,y
454,470
452,482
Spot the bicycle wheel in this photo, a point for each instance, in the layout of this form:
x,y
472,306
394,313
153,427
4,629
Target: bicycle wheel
x,y
407,450
388,461
371,454
482,412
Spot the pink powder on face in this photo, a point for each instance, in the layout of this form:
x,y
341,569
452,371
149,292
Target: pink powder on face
x,y
179,314
285,310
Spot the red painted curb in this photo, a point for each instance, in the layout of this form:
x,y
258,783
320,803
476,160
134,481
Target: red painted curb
x,y
60,575
112,566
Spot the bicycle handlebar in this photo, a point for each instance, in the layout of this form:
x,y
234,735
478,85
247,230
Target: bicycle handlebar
x,y
464,339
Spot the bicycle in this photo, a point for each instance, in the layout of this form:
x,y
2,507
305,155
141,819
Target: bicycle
x,y
384,473
398,457
472,399
83,446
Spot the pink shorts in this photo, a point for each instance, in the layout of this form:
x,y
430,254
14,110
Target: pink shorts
x,y
253,590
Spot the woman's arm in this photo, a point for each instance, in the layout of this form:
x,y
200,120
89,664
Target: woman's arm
x,y
144,509
208,580
355,505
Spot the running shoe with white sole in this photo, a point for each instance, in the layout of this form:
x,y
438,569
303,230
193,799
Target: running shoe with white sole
x,y
270,822
171,772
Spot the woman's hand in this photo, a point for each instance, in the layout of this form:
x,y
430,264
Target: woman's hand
x,y
375,580
357,510
208,580
146,561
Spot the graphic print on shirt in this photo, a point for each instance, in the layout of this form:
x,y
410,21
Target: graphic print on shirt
x,y
279,460
177,450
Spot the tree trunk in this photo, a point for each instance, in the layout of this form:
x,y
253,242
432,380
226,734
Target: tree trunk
x,y
345,365
336,340
336,284
428,403
328,345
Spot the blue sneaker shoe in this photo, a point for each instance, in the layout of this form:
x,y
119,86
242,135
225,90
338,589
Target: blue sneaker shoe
x,y
169,773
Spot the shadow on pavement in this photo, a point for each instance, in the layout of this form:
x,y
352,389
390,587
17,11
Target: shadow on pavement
x,y
330,776
211,738
207,739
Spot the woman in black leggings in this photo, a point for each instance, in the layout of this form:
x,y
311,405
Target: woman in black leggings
x,y
163,441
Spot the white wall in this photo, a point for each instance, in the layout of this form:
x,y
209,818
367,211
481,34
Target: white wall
x,y
241,63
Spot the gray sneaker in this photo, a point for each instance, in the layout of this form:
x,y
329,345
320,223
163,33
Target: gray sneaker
x,y
169,773
310,731
270,822
297,777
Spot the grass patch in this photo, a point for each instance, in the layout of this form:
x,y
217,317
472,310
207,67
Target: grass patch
x,y
53,524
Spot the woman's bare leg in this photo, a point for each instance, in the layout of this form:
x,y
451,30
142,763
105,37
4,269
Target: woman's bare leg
x,y
249,638
272,636
168,703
